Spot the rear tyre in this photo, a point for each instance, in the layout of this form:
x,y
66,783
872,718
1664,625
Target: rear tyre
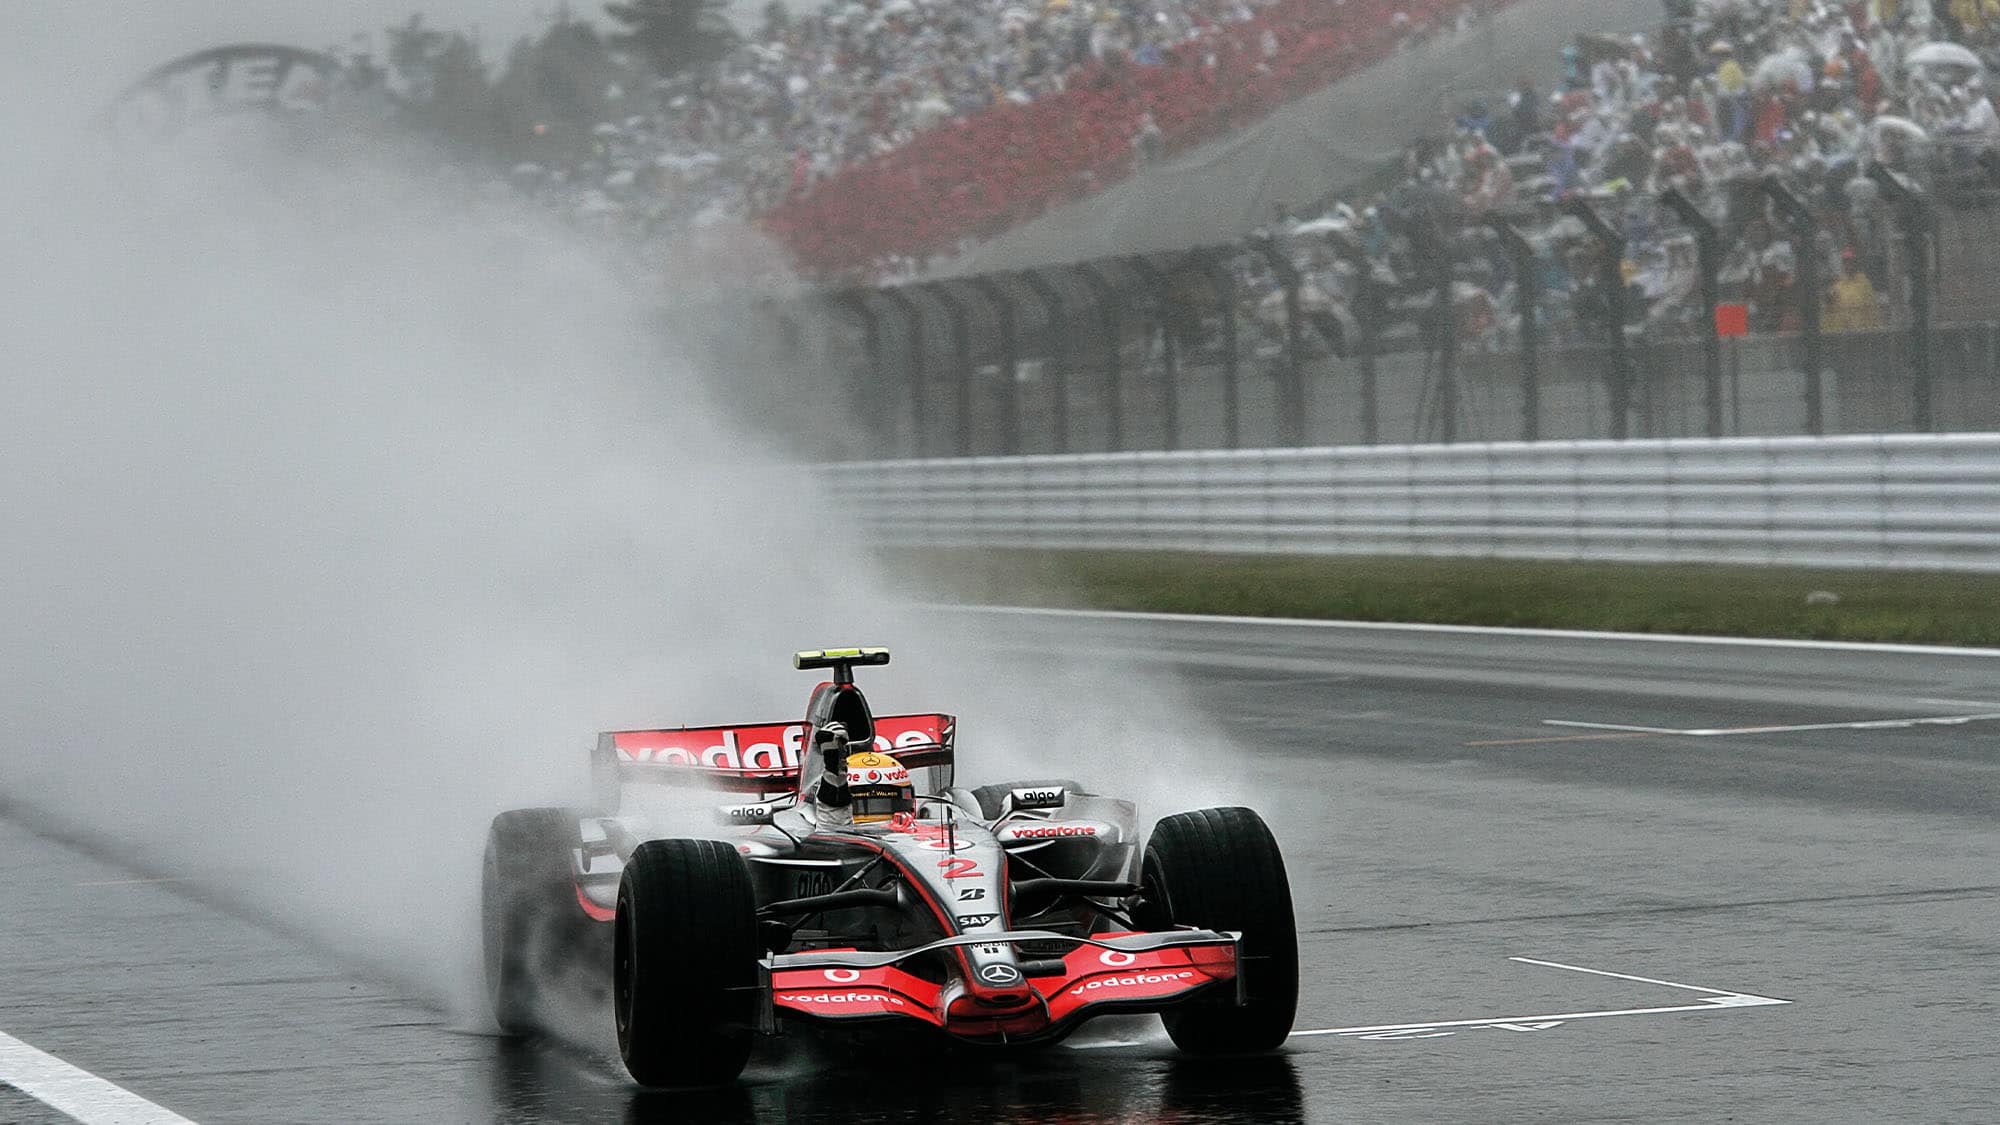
x,y
1220,869
684,963
530,922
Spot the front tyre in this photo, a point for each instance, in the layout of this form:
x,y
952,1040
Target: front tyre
x,y
684,963
1220,869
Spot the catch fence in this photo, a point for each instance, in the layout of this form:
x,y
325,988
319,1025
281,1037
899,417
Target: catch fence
x,y
1548,325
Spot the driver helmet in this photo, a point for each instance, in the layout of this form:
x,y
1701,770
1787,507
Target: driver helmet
x,y
878,787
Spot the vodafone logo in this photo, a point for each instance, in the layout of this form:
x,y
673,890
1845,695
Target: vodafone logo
x,y
842,998
772,748
1054,832
1117,958
776,747
877,775
1134,981
844,976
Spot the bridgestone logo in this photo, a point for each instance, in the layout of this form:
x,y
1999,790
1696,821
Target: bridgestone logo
x,y
840,998
1132,981
1051,833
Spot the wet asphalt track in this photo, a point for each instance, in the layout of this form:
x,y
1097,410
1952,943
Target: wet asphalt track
x,y
1437,826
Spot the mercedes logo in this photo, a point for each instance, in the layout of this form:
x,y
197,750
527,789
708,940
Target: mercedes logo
x,y
999,974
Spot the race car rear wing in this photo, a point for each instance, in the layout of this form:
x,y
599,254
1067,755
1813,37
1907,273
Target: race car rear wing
x,y
758,758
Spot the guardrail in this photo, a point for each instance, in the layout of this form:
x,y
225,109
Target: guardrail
x,y
1905,501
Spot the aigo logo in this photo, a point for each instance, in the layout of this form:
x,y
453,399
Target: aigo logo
x,y
1037,798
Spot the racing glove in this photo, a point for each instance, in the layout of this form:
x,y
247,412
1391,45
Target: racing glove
x,y
832,741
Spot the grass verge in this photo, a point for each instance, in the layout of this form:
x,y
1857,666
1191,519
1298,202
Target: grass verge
x,y
1909,607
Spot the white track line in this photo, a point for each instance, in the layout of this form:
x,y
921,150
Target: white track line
x,y
1629,976
75,1091
1475,630
1863,724
1716,1000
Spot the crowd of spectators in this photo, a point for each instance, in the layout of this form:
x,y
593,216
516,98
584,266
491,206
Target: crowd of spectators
x,y
1813,90
873,136
1157,83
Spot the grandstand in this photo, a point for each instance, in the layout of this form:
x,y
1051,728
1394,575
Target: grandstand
x,y
1346,133
1324,326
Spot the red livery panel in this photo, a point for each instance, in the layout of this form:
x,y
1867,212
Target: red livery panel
x,y
856,994
1092,976
767,755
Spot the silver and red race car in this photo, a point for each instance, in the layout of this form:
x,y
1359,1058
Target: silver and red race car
x,y
1003,915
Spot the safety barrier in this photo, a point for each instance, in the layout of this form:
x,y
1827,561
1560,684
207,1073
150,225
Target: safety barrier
x,y
1905,501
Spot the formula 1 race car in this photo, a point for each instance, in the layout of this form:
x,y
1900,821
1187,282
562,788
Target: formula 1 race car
x,y
852,884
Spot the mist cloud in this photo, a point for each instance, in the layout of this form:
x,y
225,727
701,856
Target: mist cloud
x,y
344,500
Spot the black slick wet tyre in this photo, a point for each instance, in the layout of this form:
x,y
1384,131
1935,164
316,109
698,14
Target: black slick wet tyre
x,y
528,913
684,963
1220,869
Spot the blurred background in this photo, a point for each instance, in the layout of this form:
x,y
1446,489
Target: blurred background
x,y
1074,225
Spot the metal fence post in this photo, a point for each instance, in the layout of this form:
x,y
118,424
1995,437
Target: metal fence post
x,y
1917,219
866,387
1059,359
1611,275
1708,255
1010,361
1805,251
1433,248
1292,426
1170,391
1224,280
961,355
1528,300
1369,302
913,326
1109,308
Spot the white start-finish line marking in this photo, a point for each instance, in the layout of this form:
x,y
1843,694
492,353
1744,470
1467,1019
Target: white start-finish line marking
x,y
75,1091
1715,999
1864,724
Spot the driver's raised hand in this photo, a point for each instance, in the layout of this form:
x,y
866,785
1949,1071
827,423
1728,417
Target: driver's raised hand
x,y
832,740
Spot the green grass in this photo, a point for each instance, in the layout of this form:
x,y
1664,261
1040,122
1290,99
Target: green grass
x,y
1912,607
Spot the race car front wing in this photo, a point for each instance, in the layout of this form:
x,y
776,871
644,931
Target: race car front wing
x,y
1104,973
